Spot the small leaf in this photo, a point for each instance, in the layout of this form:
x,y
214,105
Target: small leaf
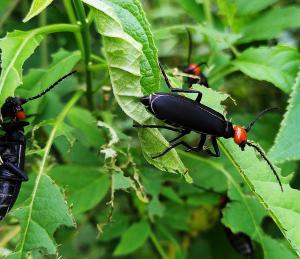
x,y
135,236
16,47
277,65
287,143
37,6
85,186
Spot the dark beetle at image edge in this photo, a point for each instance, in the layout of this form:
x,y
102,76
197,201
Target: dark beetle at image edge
x,y
13,147
185,115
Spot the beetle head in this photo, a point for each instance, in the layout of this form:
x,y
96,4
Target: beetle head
x,y
12,108
145,100
240,136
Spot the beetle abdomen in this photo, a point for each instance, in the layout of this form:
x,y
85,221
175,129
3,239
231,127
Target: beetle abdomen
x,y
9,191
186,113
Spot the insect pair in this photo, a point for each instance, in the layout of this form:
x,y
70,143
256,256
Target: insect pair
x,y
184,116
12,148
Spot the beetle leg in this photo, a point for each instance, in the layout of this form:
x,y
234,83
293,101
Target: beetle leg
x,y
157,127
15,170
171,147
180,136
189,91
216,148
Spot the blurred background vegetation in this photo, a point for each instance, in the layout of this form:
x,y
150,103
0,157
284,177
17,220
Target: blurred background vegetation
x,y
180,220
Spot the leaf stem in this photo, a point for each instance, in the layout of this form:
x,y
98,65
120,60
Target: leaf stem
x,y
72,18
85,36
157,245
207,11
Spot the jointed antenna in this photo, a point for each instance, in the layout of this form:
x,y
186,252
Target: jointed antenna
x,y
259,116
49,88
267,160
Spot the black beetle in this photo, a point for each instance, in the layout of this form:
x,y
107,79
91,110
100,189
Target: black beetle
x,y
12,148
186,115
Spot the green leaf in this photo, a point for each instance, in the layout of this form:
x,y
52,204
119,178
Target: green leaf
x,y
40,216
279,19
135,236
134,23
282,206
245,7
245,214
16,47
124,56
277,65
37,6
193,9
45,210
287,143
228,10
85,186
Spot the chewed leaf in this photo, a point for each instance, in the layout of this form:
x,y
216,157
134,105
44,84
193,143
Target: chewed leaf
x,y
287,143
41,215
37,6
16,47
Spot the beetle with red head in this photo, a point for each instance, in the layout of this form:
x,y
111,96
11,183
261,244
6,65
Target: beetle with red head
x,y
12,148
191,115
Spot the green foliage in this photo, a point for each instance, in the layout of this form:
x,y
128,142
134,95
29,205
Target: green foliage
x,y
286,145
94,188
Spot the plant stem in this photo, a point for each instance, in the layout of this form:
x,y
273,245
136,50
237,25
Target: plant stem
x,y
72,18
157,245
60,27
44,44
85,36
97,67
207,11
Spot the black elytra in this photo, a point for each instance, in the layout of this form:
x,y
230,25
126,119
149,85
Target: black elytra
x,y
184,115
13,147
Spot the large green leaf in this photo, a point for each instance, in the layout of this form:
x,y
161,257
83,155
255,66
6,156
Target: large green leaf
x,y
193,9
40,216
123,56
134,237
270,24
136,25
287,143
245,214
85,187
16,47
277,65
282,206
45,209
37,6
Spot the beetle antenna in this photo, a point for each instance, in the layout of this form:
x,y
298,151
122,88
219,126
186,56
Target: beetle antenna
x,y
259,116
49,88
189,57
267,160
165,75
